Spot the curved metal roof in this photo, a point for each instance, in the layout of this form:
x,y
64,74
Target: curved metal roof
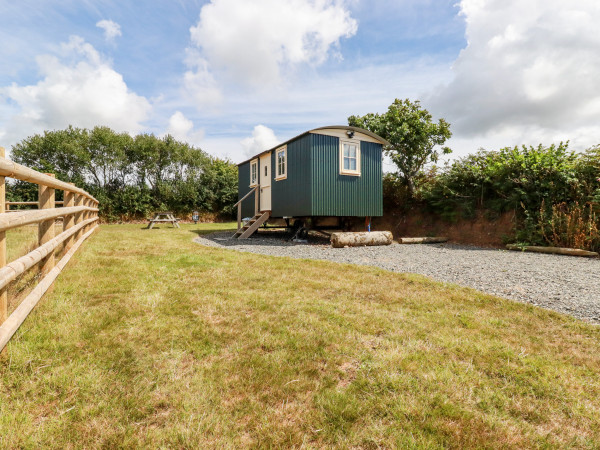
x,y
315,130
355,129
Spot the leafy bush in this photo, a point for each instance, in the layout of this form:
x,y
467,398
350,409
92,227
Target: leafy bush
x,y
543,185
395,193
131,177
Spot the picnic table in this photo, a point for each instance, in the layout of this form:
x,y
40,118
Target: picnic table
x,y
164,216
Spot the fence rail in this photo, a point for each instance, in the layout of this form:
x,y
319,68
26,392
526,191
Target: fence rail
x,y
79,213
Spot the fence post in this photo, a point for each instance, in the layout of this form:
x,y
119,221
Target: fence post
x,y
69,221
46,198
83,215
78,216
3,293
86,215
90,214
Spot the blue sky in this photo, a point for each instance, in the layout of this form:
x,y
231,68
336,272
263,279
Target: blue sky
x,y
237,76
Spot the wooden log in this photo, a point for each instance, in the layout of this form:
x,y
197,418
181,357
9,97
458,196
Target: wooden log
x,y
11,169
552,250
339,240
69,221
19,218
79,216
85,215
3,293
422,240
20,265
46,198
12,324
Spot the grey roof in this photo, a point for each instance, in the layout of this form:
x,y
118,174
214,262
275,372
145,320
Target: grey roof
x,y
329,127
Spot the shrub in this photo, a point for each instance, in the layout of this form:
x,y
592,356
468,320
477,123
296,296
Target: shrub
x,y
130,177
543,185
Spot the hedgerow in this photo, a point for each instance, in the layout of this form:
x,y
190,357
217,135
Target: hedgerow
x,y
554,192
130,176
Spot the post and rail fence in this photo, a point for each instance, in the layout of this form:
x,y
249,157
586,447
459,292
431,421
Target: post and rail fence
x,y
79,213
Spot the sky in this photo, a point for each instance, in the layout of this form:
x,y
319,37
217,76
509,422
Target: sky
x,y
235,77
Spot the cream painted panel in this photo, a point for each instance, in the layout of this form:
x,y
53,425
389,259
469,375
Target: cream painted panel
x,y
342,135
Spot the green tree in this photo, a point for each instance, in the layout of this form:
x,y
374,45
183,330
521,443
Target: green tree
x,y
414,138
218,186
160,160
61,152
130,176
108,154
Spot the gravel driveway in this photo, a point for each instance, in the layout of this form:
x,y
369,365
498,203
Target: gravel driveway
x,y
566,284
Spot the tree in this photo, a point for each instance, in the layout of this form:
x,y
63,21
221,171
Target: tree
x,y
160,160
108,156
61,152
131,176
218,186
412,134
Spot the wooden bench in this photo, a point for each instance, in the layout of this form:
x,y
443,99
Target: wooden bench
x,y
168,217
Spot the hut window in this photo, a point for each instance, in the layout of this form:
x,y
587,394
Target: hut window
x,y
349,157
281,163
254,172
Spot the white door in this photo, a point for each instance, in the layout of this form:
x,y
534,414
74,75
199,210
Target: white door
x,y
265,182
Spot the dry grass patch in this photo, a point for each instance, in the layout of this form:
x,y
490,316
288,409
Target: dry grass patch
x,y
151,340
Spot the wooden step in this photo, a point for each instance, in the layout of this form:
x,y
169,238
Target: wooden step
x,y
252,225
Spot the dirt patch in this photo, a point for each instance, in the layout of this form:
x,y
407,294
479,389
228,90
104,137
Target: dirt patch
x,y
348,373
482,231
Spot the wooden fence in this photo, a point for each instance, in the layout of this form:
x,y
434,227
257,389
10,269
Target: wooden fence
x,y
79,213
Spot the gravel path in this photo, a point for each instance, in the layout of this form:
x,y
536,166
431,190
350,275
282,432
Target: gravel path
x,y
566,284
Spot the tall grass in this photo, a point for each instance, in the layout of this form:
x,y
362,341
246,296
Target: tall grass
x,y
571,225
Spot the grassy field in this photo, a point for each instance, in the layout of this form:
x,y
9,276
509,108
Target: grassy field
x,y
20,241
148,339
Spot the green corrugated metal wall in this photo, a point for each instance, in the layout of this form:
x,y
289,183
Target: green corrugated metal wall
x,y
244,188
314,186
345,195
292,196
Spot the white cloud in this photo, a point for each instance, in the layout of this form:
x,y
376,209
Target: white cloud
x,y
316,100
255,43
200,82
527,74
79,89
182,129
263,138
111,29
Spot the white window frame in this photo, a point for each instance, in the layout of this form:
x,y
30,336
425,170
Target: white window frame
x,y
281,176
343,171
254,164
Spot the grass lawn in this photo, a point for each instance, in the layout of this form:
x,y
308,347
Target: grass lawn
x,y
20,241
148,339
